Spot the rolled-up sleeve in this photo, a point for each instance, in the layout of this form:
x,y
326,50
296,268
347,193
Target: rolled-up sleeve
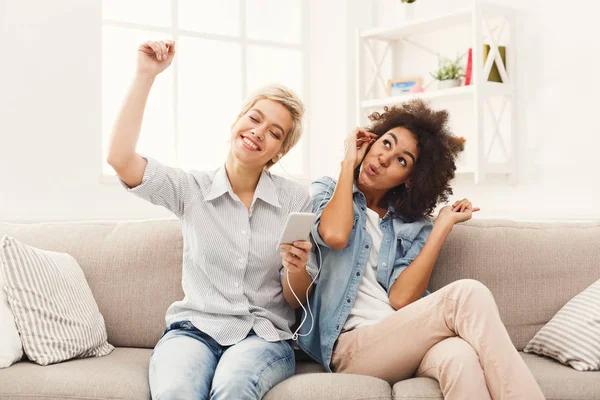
x,y
164,186
415,248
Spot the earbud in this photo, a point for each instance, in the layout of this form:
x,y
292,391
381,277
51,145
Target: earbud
x,y
277,157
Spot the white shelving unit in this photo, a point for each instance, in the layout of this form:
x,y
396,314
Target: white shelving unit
x,y
493,130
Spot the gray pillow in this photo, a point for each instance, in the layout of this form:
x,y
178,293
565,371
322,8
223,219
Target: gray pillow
x,y
572,336
55,311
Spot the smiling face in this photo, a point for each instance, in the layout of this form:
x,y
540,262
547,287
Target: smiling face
x,y
390,161
258,135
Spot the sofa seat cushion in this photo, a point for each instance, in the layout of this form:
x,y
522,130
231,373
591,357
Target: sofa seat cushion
x,y
311,383
417,388
123,374
557,381
560,382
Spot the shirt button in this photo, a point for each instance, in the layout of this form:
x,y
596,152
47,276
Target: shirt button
x,y
243,232
384,265
367,246
358,274
347,300
383,227
236,284
387,240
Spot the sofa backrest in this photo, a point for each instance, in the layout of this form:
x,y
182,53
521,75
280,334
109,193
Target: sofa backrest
x,y
134,268
532,269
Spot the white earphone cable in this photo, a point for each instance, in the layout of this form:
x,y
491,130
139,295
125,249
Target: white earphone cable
x,y
296,334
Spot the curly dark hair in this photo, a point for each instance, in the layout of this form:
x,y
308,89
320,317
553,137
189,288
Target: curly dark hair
x,y
435,166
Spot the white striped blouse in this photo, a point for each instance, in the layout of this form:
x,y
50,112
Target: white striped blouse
x,y
232,269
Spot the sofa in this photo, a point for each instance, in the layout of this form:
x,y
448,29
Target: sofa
x,y
134,271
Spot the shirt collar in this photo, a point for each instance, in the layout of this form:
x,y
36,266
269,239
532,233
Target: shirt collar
x,y
220,185
265,190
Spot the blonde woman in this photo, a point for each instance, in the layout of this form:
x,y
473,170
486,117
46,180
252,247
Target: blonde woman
x,y
230,335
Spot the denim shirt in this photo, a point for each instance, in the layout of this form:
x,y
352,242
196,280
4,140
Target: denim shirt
x,y
342,270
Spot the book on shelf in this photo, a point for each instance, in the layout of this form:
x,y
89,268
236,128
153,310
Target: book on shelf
x,y
469,69
494,75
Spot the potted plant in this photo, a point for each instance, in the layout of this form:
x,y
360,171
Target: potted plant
x,y
448,73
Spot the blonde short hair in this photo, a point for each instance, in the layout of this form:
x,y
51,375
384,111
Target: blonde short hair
x,y
290,101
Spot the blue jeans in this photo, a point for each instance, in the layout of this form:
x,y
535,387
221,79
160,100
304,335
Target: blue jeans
x,y
188,364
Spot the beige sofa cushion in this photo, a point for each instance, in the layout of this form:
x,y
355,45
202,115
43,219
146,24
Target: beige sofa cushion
x,y
310,383
560,382
417,388
133,269
123,374
533,269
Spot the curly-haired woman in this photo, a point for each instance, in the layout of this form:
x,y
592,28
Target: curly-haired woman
x,y
378,244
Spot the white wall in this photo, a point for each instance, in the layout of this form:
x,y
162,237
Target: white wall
x,y
50,115
50,137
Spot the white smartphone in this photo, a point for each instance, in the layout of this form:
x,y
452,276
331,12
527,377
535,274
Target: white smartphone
x,y
297,228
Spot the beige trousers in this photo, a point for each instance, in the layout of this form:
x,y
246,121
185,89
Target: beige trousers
x,y
454,335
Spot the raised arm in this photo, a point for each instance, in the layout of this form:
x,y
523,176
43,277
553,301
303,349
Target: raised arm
x,y
153,58
337,219
413,278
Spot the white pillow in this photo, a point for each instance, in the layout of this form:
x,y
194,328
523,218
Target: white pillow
x,y
11,349
54,308
572,336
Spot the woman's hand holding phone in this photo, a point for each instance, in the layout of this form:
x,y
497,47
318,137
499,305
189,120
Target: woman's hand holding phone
x,y
295,256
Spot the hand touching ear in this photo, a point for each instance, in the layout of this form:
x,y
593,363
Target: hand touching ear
x,y
357,144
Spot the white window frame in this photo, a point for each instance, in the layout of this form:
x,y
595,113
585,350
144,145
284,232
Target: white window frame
x,y
175,32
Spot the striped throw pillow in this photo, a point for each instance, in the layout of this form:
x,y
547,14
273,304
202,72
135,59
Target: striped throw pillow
x,y
55,312
572,336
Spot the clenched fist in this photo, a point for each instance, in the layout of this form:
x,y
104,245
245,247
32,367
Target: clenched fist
x,y
155,56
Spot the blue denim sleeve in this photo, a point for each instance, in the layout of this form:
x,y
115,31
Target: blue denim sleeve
x,y
415,248
321,192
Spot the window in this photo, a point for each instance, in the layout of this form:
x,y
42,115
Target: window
x,y
225,50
